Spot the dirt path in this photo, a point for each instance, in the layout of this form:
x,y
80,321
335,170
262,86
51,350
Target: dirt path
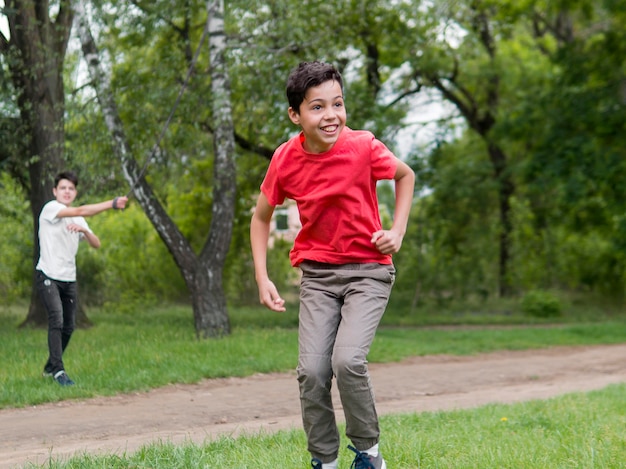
x,y
270,402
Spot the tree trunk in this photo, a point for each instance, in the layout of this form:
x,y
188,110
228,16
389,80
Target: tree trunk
x,y
506,190
208,301
482,119
202,274
213,255
36,47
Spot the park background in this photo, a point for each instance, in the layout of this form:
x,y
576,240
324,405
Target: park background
x,y
511,114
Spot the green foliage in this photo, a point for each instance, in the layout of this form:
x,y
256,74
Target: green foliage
x,y
16,242
189,202
450,246
285,277
132,265
572,173
541,304
557,120
559,116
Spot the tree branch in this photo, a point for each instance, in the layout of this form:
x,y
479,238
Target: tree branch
x,y
403,95
63,24
245,144
561,29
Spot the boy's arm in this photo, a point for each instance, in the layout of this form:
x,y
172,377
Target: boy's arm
x,y
118,203
259,236
93,209
90,237
389,241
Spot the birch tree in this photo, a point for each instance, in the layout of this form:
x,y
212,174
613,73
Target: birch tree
x,y
202,272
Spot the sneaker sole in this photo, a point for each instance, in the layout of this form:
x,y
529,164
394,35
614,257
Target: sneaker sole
x,y
65,383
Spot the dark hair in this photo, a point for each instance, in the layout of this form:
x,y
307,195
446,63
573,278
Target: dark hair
x,y
69,175
307,75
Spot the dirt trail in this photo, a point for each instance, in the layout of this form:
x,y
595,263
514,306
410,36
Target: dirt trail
x,y
233,406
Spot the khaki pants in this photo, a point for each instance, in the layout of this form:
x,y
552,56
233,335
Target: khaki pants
x,y
340,309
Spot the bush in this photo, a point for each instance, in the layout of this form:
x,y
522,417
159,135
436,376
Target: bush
x,y
541,304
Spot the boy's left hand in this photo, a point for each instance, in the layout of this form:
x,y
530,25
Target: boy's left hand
x,y
74,228
387,241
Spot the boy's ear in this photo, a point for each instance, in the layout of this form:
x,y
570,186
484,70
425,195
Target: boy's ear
x,y
293,115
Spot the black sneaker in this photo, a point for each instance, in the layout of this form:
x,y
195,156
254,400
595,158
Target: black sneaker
x,y
62,378
367,461
316,463
47,372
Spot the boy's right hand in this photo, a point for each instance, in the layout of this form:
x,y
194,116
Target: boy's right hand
x,y
119,203
269,296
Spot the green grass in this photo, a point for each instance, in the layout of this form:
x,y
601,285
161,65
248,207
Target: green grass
x,y
147,348
135,352
140,349
580,430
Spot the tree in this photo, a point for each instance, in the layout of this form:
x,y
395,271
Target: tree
x,y
455,52
577,158
202,273
35,52
558,107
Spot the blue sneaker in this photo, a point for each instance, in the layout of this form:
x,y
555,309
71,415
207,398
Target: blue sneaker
x,y
62,378
316,463
367,461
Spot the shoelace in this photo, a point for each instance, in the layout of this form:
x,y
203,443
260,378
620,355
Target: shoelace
x,y
362,460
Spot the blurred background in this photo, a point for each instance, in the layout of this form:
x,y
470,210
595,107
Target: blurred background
x,y
511,113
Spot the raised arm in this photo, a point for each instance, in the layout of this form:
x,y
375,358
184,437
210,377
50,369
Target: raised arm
x,y
89,210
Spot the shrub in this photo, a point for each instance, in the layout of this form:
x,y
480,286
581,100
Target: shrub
x,y
541,304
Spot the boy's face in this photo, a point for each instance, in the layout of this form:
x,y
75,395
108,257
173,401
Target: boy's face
x,y
322,116
65,192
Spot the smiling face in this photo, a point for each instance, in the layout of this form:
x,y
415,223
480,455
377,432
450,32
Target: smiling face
x,y
65,192
322,116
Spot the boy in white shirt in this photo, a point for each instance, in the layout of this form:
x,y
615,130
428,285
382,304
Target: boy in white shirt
x,y
61,227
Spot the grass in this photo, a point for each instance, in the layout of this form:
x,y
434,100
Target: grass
x,y
153,347
580,430
142,348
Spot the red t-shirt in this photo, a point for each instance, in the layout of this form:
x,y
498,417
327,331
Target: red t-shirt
x,y
336,196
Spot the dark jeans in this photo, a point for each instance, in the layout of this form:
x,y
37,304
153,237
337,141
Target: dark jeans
x,y
60,300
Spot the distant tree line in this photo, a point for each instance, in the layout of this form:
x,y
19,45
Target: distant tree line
x,y
520,185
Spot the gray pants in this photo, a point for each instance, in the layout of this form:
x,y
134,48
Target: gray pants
x,y
340,309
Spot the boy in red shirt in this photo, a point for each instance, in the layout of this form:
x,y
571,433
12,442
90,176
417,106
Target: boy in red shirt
x,y
331,172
